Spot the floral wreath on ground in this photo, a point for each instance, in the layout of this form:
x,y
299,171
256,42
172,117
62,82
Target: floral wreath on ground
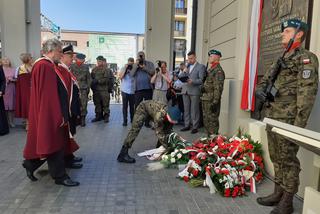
x,y
227,165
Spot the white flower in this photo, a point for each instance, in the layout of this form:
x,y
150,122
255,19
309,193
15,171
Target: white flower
x,y
179,156
173,160
173,154
226,185
165,157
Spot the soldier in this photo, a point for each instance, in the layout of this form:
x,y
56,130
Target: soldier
x,y
296,85
81,71
101,80
163,121
212,91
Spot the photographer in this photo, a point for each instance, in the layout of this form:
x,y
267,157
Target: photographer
x,y
142,71
127,91
162,82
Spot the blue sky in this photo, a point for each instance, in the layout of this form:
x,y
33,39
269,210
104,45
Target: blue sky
x,y
127,16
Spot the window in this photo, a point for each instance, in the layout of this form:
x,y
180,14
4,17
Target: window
x,y
69,42
180,3
180,45
179,26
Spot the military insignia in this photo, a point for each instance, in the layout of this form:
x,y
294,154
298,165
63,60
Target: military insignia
x,y
285,24
306,74
306,61
220,76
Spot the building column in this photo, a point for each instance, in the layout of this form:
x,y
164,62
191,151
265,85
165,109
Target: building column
x,y
159,30
20,28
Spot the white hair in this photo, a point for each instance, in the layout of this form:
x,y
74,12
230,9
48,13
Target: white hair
x,y
51,45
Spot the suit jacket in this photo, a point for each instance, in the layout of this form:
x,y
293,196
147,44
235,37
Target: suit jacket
x,y
197,76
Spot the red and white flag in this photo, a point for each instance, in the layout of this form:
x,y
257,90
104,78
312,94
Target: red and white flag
x,y
251,68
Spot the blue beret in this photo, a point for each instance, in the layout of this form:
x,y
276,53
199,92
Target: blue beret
x,y
80,56
294,23
174,113
216,52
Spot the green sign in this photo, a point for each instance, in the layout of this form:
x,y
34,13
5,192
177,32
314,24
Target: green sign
x,y
101,40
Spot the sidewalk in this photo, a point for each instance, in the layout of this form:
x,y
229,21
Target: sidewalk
x,y
108,186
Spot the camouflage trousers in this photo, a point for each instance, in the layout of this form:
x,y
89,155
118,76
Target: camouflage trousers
x,y
101,100
210,117
84,101
283,154
139,118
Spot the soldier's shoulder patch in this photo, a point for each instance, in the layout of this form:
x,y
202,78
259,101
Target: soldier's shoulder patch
x,y
306,61
306,74
220,75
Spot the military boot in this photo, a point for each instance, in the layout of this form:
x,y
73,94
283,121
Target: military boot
x,y
106,118
272,199
83,121
124,156
97,118
285,206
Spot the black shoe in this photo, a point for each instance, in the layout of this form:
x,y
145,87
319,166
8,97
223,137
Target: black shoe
x,y
185,129
83,121
29,173
67,182
124,124
106,120
193,131
74,165
124,156
96,119
76,159
147,125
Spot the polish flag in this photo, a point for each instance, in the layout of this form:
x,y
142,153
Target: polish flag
x,y
251,67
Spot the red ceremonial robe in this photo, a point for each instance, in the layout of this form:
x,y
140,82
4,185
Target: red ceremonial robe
x,y
23,95
48,131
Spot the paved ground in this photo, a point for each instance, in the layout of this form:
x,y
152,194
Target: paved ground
x,y
108,186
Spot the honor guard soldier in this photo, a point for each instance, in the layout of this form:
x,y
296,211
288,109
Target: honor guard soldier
x,y
211,93
294,91
101,84
82,73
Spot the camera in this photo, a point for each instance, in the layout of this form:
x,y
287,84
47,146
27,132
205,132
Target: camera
x,y
141,60
129,67
158,62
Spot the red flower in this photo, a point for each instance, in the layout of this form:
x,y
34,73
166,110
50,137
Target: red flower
x,y
197,161
186,178
225,171
259,176
195,173
227,192
235,191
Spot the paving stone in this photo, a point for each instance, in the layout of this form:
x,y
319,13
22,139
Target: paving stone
x,y
108,186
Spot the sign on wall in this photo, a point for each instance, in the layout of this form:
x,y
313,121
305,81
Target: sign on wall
x,y
115,48
273,13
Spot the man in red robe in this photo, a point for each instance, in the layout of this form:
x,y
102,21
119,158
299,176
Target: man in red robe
x,y
48,132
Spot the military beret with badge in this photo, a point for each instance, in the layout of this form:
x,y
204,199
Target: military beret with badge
x,y
100,58
80,56
295,23
215,52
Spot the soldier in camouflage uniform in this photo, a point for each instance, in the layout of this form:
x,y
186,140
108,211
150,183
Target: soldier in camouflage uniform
x,y
117,91
82,73
297,86
163,119
101,76
212,91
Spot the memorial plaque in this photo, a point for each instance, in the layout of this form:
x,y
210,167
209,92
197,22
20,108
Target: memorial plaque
x,y
273,13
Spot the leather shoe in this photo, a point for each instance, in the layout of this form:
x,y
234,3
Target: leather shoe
x,y
76,159
193,131
185,129
67,182
74,165
124,124
29,173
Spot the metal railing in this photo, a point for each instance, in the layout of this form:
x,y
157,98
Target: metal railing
x,y
179,33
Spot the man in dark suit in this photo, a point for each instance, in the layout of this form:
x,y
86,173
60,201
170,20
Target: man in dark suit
x,y
193,77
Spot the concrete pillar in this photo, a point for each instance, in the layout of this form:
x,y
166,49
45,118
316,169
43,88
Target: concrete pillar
x,y
159,30
20,28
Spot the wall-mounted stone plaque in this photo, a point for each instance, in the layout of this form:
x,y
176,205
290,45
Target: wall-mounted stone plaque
x,y
273,13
